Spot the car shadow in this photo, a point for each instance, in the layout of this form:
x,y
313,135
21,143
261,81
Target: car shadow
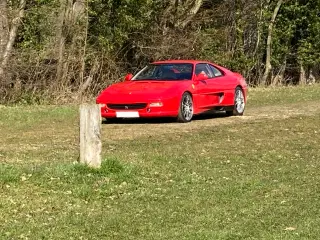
x,y
200,117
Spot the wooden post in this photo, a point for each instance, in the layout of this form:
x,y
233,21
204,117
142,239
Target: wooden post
x,y
90,132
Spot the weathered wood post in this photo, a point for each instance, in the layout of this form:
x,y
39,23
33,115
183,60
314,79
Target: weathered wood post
x,y
90,133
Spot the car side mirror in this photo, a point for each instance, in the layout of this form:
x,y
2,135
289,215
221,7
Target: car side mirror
x,y
128,77
200,77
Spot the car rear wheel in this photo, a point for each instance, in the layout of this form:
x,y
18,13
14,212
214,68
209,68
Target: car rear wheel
x,y
186,108
239,103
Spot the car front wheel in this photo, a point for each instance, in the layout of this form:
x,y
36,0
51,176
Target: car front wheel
x,y
186,108
239,103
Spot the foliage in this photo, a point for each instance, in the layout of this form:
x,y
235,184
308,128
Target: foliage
x,y
112,22
35,33
69,42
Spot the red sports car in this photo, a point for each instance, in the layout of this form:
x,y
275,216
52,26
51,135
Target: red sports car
x,y
175,88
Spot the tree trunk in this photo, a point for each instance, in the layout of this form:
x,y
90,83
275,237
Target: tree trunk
x,y
60,39
311,77
170,10
303,79
268,66
4,26
278,80
12,37
190,14
82,12
258,31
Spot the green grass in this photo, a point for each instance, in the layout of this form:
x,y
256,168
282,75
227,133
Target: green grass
x,y
254,179
283,95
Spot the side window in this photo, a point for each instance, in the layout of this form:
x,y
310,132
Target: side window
x,y
203,68
216,72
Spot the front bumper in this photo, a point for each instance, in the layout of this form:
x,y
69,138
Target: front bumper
x,y
167,110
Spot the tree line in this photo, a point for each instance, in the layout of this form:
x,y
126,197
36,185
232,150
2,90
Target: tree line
x,y
65,50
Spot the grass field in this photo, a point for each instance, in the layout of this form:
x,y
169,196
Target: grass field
x,y
250,177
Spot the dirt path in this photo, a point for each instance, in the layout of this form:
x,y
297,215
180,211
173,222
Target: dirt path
x,y
135,129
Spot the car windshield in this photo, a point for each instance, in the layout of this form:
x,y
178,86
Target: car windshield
x,y
165,72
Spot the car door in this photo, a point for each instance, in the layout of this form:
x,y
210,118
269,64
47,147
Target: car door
x,y
212,91
202,91
221,85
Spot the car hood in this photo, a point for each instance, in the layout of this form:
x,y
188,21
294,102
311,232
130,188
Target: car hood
x,y
140,91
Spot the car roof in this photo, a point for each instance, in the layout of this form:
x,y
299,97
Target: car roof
x,y
180,61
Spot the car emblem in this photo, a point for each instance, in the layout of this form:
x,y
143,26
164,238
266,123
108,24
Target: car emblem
x,y
126,107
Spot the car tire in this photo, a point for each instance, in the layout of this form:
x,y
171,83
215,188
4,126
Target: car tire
x,y
185,108
239,103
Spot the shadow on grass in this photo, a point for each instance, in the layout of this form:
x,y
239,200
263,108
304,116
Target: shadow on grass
x,y
67,173
109,166
200,117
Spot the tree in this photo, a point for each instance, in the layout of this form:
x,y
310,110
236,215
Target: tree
x,y
4,26
268,65
69,48
6,52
